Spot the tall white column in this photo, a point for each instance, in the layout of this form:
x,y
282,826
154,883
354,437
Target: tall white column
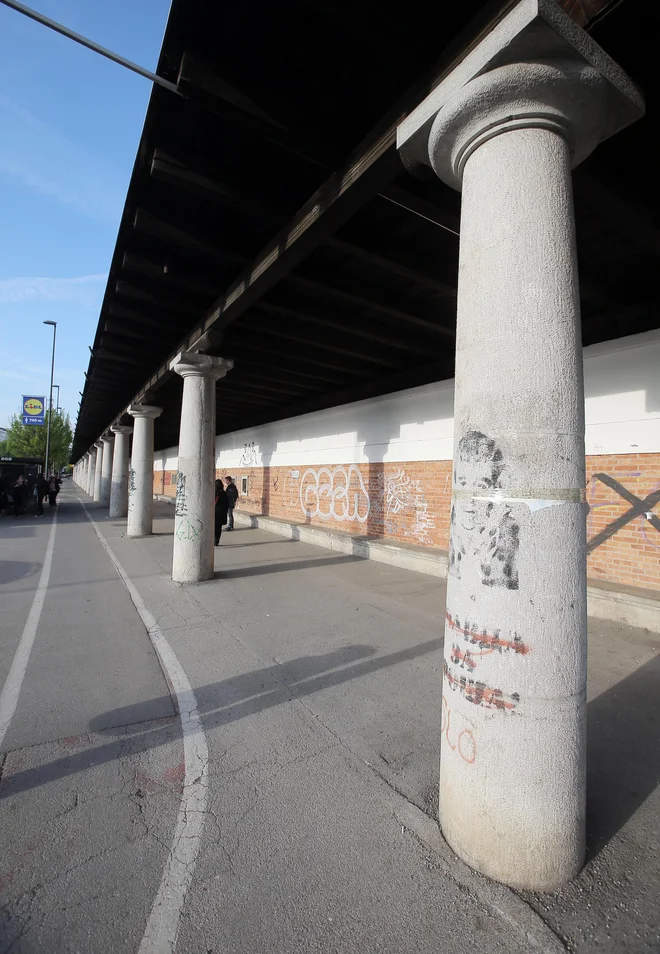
x,y
106,471
141,476
513,779
119,481
192,559
89,475
98,471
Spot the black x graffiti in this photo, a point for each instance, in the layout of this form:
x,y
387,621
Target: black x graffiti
x,y
638,507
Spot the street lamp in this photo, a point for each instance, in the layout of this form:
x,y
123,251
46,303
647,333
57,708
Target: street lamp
x,y
50,400
57,406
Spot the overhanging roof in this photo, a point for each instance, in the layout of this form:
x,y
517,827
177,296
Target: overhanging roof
x,y
268,203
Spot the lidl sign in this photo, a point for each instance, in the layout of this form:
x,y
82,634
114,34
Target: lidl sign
x,y
34,409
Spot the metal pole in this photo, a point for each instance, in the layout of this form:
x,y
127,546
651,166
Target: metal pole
x,y
50,399
89,44
57,406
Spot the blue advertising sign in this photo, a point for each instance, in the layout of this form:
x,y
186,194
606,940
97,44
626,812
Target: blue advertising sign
x,y
34,409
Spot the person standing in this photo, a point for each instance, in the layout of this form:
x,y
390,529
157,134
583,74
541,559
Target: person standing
x,y
53,489
221,507
232,497
42,490
19,494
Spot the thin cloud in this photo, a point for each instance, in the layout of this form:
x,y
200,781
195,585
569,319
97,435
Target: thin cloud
x,y
50,164
82,289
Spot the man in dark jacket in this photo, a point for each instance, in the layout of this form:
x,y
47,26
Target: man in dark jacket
x,y
42,490
220,510
232,497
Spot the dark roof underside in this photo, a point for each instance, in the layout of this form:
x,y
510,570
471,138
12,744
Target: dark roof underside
x,y
356,294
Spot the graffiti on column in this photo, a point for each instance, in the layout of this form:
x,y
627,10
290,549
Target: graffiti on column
x,y
131,488
337,494
639,507
180,500
484,529
249,457
188,529
458,732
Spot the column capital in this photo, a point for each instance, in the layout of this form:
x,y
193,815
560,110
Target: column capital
x,y
121,429
108,437
145,410
205,365
98,444
535,69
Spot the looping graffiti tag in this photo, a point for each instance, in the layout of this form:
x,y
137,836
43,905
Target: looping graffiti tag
x,y
337,494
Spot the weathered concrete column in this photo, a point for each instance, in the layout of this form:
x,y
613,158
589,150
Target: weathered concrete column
x,y
89,475
106,471
141,476
119,481
98,471
192,559
512,779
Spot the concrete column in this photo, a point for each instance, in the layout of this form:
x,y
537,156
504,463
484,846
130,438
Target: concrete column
x,y
106,471
192,559
119,482
89,474
141,476
98,471
512,777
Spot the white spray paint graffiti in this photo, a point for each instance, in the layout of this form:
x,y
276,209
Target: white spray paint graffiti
x,y
404,493
337,494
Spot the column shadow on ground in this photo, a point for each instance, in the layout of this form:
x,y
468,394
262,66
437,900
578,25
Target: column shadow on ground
x,y
221,704
623,753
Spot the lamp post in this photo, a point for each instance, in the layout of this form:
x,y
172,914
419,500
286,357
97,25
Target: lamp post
x,y
50,399
57,406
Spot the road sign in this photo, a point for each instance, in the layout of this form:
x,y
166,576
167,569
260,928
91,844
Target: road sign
x,y
34,409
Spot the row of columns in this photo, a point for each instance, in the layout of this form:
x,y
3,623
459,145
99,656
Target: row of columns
x,y
527,103
126,488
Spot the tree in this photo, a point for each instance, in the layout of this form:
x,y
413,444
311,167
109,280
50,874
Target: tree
x,y
29,440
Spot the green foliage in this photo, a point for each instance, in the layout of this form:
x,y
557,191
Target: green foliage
x,y
29,440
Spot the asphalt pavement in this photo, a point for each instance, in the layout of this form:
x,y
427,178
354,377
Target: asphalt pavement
x,y
250,765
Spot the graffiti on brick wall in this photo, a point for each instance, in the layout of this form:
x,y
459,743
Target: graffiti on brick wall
x,y
639,507
403,494
249,457
337,494
291,489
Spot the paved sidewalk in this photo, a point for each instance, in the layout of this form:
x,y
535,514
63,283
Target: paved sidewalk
x,y
318,682
290,640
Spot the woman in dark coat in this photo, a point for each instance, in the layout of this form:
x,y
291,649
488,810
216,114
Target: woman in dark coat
x,y
221,509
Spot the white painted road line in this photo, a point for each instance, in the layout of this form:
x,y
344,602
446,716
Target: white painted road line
x,y
12,687
163,924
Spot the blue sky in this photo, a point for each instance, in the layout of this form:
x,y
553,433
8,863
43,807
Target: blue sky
x,y
70,123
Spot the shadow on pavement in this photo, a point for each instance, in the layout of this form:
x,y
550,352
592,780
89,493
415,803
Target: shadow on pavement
x,y
13,570
623,753
223,703
267,568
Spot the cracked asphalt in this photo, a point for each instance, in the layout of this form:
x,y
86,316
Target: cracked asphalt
x,y
317,678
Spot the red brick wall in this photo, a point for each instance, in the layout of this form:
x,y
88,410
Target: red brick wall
x,y
631,555
410,503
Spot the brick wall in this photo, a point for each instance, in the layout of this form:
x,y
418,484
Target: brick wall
x,y
623,550
410,503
